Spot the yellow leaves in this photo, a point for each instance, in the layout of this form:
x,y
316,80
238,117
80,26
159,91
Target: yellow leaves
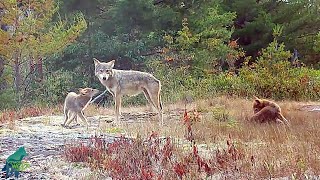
x,y
168,39
4,37
4,43
213,43
33,35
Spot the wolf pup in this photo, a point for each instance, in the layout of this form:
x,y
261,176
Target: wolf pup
x,y
74,105
265,110
128,82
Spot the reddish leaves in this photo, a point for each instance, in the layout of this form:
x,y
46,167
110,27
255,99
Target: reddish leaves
x,y
11,115
155,157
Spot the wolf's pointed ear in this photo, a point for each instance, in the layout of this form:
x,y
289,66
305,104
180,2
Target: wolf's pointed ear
x,y
112,63
96,61
257,101
80,90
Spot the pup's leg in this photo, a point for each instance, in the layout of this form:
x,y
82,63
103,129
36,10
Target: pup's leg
x,y
83,118
72,116
66,113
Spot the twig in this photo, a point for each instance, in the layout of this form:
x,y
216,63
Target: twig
x,y
93,100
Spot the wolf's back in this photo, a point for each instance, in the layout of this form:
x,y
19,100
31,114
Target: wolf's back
x,y
127,76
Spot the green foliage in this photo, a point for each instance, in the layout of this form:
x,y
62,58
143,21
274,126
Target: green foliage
x,y
274,77
203,39
256,19
55,87
196,48
317,43
173,80
221,114
8,100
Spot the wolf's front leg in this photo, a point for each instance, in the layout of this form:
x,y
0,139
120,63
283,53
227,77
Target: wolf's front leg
x,y
117,104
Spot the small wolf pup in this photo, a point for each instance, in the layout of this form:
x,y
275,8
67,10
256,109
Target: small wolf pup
x,y
265,111
128,82
74,105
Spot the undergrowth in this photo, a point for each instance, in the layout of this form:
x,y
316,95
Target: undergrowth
x,y
158,158
11,115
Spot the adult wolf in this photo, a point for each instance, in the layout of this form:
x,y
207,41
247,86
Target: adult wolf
x,y
128,82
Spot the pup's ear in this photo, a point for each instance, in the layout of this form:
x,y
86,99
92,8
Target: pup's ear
x,y
257,101
111,64
96,61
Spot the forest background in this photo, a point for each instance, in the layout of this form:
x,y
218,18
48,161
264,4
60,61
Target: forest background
x,y
198,49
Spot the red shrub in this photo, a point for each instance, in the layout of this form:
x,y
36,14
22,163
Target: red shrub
x,y
152,158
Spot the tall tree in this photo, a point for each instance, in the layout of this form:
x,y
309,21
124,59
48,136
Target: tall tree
x,y
126,30
204,42
29,36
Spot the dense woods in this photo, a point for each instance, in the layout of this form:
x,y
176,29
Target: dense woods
x,y
268,48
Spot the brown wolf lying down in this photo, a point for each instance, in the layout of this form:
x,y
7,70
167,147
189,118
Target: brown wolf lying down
x,y
267,111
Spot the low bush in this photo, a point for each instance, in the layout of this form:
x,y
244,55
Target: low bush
x,y
156,158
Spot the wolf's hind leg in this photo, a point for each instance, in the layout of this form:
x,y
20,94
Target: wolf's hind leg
x,y
83,118
146,94
154,95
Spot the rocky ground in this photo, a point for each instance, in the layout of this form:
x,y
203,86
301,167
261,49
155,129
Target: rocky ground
x,y
44,138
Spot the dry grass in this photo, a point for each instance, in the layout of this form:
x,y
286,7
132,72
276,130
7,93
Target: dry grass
x,y
275,151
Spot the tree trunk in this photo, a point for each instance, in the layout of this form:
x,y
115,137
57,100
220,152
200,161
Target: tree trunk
x,y
17,78
40,69
3,84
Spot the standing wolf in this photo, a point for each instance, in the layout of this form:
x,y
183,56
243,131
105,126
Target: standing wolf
x,y
127,82
74,105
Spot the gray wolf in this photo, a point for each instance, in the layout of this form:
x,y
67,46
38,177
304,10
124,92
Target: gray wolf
x,y
267,111
74,105
128,82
